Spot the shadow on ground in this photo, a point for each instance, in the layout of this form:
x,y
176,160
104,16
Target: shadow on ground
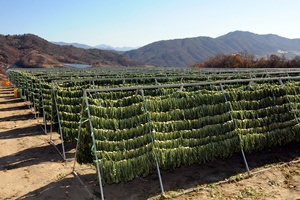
x,y
21,132
65,187
181,178
29,157
36,155
14,108
17,117
12,100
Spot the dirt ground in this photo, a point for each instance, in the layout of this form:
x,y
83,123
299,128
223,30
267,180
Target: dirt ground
x,y
31,168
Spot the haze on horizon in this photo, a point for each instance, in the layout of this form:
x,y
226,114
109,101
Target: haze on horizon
x,y
137,23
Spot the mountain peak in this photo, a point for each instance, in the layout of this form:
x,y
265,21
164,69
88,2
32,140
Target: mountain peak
x,y
186,52
238,34
247,34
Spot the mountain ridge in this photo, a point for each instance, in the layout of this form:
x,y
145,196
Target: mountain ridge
x,y
29,50
100,46
187,51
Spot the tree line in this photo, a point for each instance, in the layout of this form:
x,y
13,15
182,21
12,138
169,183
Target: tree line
x,y
244,60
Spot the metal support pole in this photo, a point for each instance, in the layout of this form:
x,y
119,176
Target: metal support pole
x,y
267,74
94,144
43,106
94,87
229,109
157,165
79,131
59,125
33,100
27,90
156,83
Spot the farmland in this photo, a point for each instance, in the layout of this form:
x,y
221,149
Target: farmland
x,y
165,128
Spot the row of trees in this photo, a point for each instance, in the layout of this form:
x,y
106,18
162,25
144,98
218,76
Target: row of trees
x,y
245,60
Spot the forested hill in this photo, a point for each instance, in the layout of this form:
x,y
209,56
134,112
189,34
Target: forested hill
x,y
29,50
185,52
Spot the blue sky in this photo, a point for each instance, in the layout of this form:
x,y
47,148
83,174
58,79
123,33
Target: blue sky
x,y
136,23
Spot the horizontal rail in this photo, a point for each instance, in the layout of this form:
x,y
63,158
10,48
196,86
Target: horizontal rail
x,y
164,77
189,84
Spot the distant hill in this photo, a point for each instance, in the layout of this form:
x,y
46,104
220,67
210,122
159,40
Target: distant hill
x,y
78,45
101,46
185,52
29,50
108,47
